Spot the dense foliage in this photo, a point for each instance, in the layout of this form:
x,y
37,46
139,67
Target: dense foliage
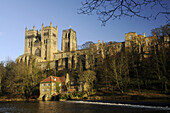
x,y
20,80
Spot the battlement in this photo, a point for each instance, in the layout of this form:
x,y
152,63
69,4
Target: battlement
x,y
43,28
69,30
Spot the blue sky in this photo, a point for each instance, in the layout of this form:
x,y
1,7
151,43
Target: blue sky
x,y
15,15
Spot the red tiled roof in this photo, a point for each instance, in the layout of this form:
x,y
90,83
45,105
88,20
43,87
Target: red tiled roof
x,y
54,79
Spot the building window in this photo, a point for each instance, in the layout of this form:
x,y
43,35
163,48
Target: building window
x,y
54,84
48,95
48,84
43,89
147,43
60,84
130,37
38,52
165,39
46,34
54,89
48,89
131,43
54,35
43,84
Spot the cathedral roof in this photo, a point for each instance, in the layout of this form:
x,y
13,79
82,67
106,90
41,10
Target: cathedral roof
x,y
54,79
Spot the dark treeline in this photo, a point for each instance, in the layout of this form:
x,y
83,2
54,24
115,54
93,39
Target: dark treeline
x,y
128,71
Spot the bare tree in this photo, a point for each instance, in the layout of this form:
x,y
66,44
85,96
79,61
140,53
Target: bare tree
x,y
88,77
86,45
116,72
161,31
113,9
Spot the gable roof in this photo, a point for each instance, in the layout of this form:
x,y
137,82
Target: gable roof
x,y
54,79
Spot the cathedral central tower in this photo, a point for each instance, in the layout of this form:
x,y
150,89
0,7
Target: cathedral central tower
x,y
69,40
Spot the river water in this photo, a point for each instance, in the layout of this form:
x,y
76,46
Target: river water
x,y
78,107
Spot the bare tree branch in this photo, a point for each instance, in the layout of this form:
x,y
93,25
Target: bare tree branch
x,y
115,9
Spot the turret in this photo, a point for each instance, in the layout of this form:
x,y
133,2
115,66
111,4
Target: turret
x,y
42,26
33,28
50,24
144,34
99,41
26,29
26,42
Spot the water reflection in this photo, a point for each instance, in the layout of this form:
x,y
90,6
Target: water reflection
x,y
62,107
66,107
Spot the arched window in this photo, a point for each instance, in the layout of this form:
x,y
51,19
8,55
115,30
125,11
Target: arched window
x,y
66,36
38,52
69,35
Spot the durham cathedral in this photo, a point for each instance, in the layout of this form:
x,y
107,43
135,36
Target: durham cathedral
x,y
42,45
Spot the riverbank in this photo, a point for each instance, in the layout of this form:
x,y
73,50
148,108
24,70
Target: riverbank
x,y
116,100
132,96
128,97
16,99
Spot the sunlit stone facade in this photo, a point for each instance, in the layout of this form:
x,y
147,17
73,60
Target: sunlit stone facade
x,y
42,46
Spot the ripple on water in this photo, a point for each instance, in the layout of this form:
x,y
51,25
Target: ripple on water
x,y
75,107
